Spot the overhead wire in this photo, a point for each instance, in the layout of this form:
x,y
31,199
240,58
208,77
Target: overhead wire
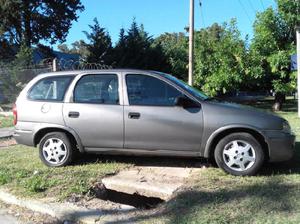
x,y
245,10
201,12
252,7
262,4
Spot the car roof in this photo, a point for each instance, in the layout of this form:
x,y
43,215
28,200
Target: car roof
x,y
77,72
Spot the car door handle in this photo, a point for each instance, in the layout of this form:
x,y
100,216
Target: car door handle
x,y
73,114
134,115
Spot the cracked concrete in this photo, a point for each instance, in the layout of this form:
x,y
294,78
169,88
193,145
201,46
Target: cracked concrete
x,y
159,182
7,219
61,211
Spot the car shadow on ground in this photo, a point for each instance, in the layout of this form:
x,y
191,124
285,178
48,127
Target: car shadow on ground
x,y
289,167
143,160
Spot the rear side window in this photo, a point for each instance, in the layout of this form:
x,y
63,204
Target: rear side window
x,y
50,89
99,89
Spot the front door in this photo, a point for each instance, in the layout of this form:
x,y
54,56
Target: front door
x,y
154,122
95,113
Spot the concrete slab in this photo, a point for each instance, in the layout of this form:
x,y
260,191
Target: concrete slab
x,y
160,182
7,219
61,211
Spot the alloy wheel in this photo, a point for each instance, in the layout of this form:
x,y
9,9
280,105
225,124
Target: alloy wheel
x,y
239,155
54,151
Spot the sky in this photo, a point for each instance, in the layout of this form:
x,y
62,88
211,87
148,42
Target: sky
x,y
160,16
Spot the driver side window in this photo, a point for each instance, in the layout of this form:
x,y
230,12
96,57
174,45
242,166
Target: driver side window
x,y
146,90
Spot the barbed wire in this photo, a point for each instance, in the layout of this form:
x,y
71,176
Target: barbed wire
x,y
47,63
70,64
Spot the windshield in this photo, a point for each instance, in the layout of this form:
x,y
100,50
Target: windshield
x,y
191,90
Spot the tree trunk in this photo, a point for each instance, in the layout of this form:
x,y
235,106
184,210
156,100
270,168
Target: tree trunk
x,y
27,23
279,100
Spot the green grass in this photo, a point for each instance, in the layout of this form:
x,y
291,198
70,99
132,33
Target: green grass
x,y
22,172
215,197
6,121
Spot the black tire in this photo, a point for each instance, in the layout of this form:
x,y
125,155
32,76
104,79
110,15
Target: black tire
x,y
253,166
67,147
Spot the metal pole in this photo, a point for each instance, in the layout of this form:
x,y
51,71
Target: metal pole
x,y
54,65
298,66
191,43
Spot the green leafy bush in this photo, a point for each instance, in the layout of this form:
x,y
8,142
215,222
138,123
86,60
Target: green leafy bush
x,y
37,184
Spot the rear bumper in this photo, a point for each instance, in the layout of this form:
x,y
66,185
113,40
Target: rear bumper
x,y
23,137
281,146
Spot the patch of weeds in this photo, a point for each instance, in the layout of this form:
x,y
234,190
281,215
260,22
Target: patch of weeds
x,y
80,187
37,184
21,174
4,178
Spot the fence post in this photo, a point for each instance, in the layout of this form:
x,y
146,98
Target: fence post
x,y
298,65
54,65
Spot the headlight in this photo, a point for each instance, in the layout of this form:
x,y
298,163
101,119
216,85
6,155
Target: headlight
x,y
286,127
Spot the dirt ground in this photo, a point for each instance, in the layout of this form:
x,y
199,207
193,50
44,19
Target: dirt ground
x,y
7,142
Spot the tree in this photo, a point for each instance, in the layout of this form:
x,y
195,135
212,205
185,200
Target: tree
x,y
136,49
272,45
78,47
132,48
289,12
45,51
175,49
119,50
220,56
6,51
99,47
64,48
11,74
29,21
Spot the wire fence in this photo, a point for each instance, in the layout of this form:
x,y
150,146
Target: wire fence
x,y
13,77
63,65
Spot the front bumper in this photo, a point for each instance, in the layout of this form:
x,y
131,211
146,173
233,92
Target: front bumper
x,y
281,145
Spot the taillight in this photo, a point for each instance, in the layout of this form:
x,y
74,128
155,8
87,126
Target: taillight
x,y
15,113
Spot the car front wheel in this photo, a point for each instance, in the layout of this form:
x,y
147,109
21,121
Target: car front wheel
x,y
56,149
239,154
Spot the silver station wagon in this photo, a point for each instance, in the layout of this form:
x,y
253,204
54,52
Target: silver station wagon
x,y
137,112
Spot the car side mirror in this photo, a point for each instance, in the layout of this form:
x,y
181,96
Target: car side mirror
x,y
185,102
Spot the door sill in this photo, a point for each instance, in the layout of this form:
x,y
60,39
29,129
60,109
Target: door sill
x,y
122,151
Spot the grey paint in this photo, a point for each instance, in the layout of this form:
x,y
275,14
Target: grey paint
x,y
169,131
220,116
97,125
166,128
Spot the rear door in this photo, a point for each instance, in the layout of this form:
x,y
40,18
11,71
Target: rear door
x,y
95,111
43,102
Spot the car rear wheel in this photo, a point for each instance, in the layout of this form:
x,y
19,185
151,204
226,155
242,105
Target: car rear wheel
x,y
239,154
56,149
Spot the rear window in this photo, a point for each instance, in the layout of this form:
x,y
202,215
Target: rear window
x,y
50,88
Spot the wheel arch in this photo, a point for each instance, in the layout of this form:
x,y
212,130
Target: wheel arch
x,y
39,134
216,136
